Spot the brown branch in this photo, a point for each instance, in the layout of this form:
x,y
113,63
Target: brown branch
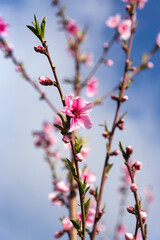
x,y
103,179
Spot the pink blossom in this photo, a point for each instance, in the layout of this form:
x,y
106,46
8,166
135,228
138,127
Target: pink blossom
x,y
129,236
79,157
113,21
158,39
3,27
67,224
148,194
45,81
72,27
124,29
92,87
62,187
137,165
89,60
141,3
90,215
58,234
55,200
143,215
150,64
121,230
85,151
78,109
109,62
89,176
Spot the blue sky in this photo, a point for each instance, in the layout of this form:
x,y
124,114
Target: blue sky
x,y
25,180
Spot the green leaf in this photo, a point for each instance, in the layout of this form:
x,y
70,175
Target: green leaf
x,y
32,29
121,148
43,24
87,189
86,207
70,166
129,83
59,127
123,115
62,119
78,145
106,128
109,166
76,225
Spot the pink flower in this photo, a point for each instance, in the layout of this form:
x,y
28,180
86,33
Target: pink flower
x,y
62,187
79,157
148,194
141,3
124,29
58,234
45,81
120,230
150,64
158,40
89,60
78,109
67,224
3,27
72,27
113,21
143,215
137,165
89,176
90,215
92,87
55,200
109,62
85,151
129,236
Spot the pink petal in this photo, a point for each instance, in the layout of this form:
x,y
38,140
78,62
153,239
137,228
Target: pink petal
x,y
87,121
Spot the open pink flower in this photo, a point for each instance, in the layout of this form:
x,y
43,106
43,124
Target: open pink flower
x,y
92,87
54,198
113,21
62,187
67,225
89,176
141,3
90,215
72,27
124,29
78,109
3,27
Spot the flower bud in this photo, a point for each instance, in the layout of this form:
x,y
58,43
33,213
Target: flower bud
x,y
150,64
66,138
124,98
18,68
39,49
137,165
109,62
79,157
130,209
129,150
134,187
129,236
143,215
122,120
115,153
121,126
128,8
105,45
114,97
58,234
105,134
45,81
92,192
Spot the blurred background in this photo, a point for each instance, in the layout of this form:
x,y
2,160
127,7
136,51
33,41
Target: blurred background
x,y
25,178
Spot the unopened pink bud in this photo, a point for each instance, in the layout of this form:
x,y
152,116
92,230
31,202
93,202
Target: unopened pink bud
x,y
114,97
115,153
130,209
100,213
105,134
137,165
143,215
39,49
129,149
105,45
128,7
121,126
124,98
79,157
129,236
66,138
134,187
92,192
18,68
45,81
122,120
109,62
150,65
58,234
